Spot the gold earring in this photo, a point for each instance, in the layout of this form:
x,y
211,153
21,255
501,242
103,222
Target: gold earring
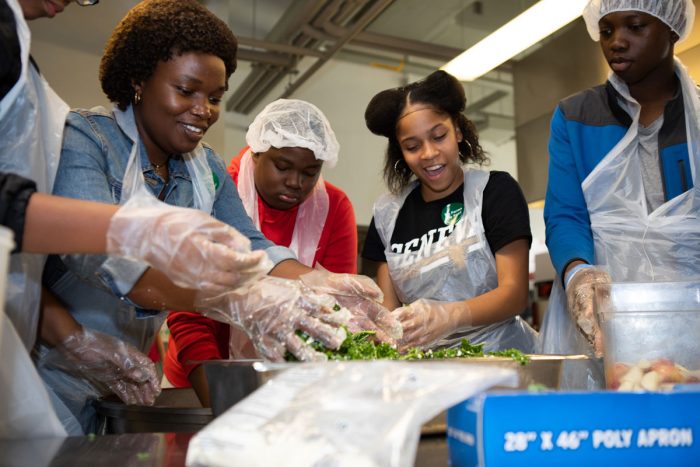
x,y
137,98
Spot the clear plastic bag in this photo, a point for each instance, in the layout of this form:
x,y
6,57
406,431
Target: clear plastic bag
x,y
340,414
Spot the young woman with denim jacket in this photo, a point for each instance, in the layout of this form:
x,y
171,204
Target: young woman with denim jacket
x,y
32,118
165,67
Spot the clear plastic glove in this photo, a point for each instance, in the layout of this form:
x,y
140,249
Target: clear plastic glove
x,y
425,322
362,297
271,310
192,248
108,364
579,298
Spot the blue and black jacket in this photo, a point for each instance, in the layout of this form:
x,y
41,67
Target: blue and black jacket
x,y
584,128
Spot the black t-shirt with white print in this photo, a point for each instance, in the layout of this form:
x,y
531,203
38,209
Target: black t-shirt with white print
x,y
419,223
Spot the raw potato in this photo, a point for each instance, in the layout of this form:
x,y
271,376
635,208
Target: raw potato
x,y
645,375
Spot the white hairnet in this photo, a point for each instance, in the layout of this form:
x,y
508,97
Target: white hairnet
x,y
292,123
677,14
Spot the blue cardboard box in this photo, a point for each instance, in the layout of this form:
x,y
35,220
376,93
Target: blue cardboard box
x,y
576,428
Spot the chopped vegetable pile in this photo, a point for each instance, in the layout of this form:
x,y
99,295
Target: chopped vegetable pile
x,y
360,346
659,374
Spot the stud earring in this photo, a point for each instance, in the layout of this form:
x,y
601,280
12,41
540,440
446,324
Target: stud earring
x,y
137,98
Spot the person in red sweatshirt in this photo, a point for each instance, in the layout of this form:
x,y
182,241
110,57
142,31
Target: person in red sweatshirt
x,y
279,180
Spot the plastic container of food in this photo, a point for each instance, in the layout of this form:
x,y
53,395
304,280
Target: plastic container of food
x,y
651,334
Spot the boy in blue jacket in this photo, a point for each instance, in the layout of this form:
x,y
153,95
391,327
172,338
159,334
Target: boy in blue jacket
x,y
623,155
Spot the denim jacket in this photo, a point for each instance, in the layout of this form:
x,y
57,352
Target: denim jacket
x,y
94,287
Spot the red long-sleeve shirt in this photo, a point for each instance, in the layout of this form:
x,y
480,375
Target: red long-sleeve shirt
x,y
194,338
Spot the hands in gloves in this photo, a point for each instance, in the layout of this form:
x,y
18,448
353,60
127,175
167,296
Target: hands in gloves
x,y
192,248
271,310
362,297
108,364
425,322
579,298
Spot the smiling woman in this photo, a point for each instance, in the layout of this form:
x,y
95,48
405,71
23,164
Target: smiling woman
x,y
166,68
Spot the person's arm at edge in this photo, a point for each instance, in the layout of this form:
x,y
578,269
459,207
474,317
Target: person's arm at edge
x,y
55,224
568,231
56,322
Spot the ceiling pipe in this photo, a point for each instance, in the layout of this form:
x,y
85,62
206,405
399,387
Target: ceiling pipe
x,y
264,78
375,10
277,47
395,44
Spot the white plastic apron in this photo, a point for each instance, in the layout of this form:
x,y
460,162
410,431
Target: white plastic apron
x,y
133,184
311,215
459,267
633,244
32,117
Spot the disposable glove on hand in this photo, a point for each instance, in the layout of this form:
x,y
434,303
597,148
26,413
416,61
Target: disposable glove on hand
x,y
192,248
425,322
579,298
108,364
271,310
362,297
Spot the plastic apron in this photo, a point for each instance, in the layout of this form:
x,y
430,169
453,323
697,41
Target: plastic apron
x,y
457,268
133,184
308,227
32,117
631,243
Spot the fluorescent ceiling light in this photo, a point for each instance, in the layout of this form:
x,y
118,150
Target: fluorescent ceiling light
x,y
526,29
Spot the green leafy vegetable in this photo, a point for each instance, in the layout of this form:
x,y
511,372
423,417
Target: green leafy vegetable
x,y
360,346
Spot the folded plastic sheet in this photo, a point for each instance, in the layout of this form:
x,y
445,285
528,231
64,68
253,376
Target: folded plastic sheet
x,y
340,414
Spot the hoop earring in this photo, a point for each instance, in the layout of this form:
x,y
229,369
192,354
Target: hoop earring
x,y
137,98
396,167
471,151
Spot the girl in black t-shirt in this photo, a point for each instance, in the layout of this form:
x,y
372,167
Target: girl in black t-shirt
x,y
452,242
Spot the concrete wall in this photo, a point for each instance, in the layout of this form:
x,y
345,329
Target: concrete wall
x,y
566,64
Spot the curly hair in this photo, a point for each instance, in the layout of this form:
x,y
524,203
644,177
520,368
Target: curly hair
x,y
155,30
439,90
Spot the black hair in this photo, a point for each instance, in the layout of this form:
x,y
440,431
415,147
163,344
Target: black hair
x,y
153,31
439,90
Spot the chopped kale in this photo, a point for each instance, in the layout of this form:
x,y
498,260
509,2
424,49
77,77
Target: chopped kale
x,y
361,346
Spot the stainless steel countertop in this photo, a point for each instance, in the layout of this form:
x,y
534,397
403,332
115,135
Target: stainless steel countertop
x,y
142,450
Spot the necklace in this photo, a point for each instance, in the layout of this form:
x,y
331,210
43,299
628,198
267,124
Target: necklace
x,y
159,166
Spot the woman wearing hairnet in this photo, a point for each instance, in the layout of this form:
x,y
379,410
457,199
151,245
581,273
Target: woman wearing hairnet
x,y
623,160
279,181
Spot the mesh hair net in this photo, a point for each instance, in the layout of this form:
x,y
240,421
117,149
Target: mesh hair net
x,y
289,123
677,14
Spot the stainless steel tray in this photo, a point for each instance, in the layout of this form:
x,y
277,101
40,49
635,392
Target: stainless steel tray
x,y
232,380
